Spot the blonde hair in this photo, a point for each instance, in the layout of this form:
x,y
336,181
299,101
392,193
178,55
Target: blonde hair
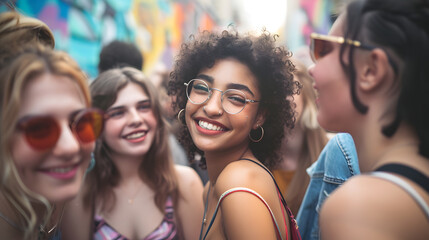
x,y
17,31
315,138
25,66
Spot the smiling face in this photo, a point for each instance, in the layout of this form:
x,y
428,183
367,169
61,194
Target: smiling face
x,y
335,107
131,125
56,173
213,129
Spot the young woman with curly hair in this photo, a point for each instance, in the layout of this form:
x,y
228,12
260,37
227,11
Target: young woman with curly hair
x,y
232,92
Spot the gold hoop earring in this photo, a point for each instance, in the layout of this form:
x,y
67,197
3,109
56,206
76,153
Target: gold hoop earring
x,y
178,117
260,138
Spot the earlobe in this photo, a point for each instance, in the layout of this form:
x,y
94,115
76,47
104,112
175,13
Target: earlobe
x,y
260,119
374,70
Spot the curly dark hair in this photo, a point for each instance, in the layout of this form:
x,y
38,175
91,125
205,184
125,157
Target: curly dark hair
x,y
401,29
272,68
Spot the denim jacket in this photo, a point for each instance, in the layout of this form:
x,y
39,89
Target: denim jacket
x,y
336,163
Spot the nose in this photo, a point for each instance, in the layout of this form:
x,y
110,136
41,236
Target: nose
x,y
213,107
134,118
67,145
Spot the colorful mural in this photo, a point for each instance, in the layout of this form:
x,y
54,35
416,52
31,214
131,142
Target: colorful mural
x,y
83,27
158,27
308,16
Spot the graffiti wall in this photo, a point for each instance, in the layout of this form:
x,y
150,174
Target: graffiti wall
x,y
83,27
305,17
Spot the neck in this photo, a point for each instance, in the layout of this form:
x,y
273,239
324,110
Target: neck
x,y
128,166
216,161
374,149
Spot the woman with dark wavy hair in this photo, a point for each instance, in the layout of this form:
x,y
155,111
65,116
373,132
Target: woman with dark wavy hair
x,y
232,92
372,77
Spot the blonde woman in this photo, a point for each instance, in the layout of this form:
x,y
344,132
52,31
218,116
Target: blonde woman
x,y
17,30
47,135
303,143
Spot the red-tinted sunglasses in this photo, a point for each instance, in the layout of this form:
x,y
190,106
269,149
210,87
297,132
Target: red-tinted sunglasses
x,y
42,132
322,44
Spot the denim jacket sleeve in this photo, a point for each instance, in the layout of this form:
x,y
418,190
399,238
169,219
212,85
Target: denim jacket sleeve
x,y
336,163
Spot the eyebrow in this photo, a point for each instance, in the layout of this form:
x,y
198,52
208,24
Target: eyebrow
x,y
205,77
115,108
230,86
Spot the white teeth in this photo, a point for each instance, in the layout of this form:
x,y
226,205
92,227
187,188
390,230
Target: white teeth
x,y
60,170
209,126
136,135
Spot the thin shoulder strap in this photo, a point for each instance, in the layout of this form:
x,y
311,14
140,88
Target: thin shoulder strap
x,y
205,212
269,172
277,186
242,189
407,187
408,172
293,224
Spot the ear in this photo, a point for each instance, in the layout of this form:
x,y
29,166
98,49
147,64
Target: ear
x,y
374,70
260,119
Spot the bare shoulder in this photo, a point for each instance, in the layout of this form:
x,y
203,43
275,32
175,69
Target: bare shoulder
x,y
366,207
190,183
187,176
244,174
239,222
352,198
248,175
190,210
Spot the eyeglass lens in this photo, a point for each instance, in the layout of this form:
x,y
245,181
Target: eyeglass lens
x,y
43,132
198,92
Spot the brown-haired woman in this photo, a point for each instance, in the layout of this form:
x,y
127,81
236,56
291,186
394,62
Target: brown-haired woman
x,y
135,191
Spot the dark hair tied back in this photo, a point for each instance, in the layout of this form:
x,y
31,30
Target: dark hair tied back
x,y
401,29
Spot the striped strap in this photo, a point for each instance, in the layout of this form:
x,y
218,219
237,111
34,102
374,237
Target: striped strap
x,y
242,189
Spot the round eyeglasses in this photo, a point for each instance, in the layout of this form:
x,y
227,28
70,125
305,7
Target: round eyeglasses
x,y
233,100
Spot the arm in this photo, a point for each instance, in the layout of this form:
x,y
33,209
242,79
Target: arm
x,y
191,207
